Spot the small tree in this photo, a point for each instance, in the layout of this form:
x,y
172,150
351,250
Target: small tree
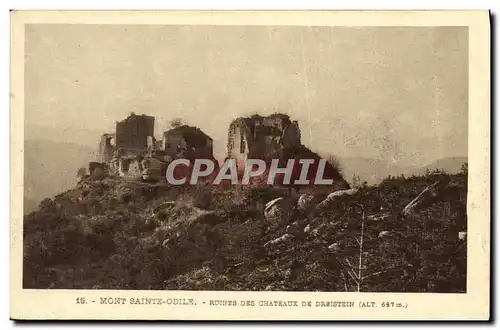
x,y
176,122
356,181
464,169
355,268
82,171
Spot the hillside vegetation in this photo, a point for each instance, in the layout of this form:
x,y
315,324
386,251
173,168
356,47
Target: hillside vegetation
x,y
117,234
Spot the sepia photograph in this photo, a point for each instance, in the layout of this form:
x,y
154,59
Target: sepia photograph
x,y
272,158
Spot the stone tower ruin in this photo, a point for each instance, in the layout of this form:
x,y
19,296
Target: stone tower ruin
x,y
132,133
275,137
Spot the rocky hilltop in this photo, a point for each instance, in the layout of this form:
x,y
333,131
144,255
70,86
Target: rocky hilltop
x,y
114,233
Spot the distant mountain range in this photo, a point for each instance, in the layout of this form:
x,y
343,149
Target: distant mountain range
x,y
29,205
449,165
373,171
83,137
50,168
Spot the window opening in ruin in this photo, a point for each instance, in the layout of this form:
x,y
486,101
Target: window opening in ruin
x,y
242,146
242,142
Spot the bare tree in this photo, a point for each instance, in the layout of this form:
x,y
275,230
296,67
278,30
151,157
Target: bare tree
x,y
356,181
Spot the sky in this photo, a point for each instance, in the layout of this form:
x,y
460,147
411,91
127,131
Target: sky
x,y
396,94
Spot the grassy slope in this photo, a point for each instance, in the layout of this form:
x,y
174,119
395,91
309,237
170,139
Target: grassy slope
x,y
104,235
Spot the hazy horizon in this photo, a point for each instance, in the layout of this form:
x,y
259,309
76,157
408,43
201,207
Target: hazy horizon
x,y
398,95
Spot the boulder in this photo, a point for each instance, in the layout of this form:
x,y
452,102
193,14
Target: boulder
x,y
335,247
320,230
294,229
385,233
166,206
278,240
273,202
166,243
305,202
336,194
378,217
278,210
347,192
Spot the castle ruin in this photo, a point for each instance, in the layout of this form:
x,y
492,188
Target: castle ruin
x,y
106,147
261,137
274,137
134,152
187,142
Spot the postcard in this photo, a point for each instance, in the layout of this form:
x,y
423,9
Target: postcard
x,y
250,165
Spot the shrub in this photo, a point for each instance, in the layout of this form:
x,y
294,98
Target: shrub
x,y
202,197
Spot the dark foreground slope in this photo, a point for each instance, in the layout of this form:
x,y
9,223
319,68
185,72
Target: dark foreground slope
x,y
113,234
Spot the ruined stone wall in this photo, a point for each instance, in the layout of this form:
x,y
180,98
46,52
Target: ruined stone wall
x,y
231,136
151,142
188,142
174,144
155,169
123,166
93,166
133,132
114,166
277,121
240,139
135,170
263,137
291,136
106,149
159,145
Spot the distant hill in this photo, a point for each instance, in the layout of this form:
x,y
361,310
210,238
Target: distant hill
x,y
50,168
450,165
84,137
29,205
372,171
